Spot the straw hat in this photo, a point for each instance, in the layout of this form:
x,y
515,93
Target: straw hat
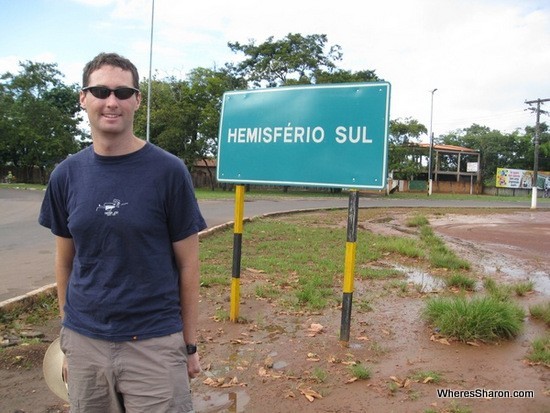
x,y
52,368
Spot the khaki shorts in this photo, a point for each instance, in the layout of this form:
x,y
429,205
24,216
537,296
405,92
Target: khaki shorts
x,y
127,377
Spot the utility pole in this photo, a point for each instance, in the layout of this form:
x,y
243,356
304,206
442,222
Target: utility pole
x,y
149,97
537,141
430,181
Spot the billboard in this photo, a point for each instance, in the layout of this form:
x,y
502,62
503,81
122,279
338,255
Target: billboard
x,y
519,178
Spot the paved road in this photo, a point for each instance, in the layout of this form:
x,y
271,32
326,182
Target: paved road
x,y
27,249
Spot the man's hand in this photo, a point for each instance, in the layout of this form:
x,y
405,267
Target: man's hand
x,y
193,365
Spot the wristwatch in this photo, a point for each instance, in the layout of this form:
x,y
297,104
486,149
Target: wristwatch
x,y
191,348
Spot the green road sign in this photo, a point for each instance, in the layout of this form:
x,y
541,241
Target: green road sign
x,y
330,135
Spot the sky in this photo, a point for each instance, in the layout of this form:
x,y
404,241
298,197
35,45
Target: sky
x,y
486,58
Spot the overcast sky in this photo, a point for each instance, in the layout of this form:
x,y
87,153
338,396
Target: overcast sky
x,y
485,57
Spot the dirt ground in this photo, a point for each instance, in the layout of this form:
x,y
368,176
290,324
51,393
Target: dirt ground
x,y
280,361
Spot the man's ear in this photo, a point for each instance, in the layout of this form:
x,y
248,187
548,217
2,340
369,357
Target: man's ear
x,y
82,99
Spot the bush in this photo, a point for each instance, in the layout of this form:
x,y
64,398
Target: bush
x,y
480,318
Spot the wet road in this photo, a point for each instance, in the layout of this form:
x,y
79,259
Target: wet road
x,y
27,249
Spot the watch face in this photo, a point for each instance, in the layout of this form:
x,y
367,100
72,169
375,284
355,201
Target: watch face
x,y
191,348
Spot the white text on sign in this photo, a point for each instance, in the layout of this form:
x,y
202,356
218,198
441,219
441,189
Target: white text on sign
x,y
297,134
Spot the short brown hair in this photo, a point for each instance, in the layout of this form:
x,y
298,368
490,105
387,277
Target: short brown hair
x,y
109,59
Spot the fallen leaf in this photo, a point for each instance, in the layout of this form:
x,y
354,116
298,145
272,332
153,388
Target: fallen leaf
x,y
428,380
439,339
253,270
289,394
313,357
268,362
310,394
262,372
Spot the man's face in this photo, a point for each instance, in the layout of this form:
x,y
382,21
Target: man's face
x,y
110,116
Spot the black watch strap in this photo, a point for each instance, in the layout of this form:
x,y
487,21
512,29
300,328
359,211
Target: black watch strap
x,y
191,348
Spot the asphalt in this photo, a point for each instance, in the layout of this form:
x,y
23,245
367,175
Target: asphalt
x,y
27,249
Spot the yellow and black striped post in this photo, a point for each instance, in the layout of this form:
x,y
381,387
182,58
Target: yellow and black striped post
x,y
237,248
349,266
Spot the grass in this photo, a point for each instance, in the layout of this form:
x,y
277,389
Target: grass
x,y
440,255
541,312
299,260
501,292
319,375
460,281
40,309
427,377
484,318
523,288
540,352
372,273
417,221
360,372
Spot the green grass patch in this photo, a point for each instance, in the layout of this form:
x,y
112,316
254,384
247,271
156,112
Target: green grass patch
x,y
360,372
439,254
540,350
427,377
480,318
541,312
34,311
404,246
417,221
501,292
381,273
523,288
460,281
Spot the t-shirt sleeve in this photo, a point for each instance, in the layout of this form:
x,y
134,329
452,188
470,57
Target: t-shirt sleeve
x,y
53,212
184,216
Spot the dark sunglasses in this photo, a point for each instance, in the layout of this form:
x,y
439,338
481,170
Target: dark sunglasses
x,y
102,92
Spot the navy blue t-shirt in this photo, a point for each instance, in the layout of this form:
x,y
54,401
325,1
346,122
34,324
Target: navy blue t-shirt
x,y
123,214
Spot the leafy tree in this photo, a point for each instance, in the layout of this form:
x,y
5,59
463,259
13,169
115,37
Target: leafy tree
x,y
295,59
345,76
404,153
185,113
39,118
544,147
497,150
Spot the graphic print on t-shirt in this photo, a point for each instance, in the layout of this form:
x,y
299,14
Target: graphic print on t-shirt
x,y
111,208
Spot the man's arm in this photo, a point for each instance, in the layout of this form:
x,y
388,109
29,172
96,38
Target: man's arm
x,y
64,256
186,253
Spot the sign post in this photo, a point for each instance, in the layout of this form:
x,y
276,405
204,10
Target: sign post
x,y
330,135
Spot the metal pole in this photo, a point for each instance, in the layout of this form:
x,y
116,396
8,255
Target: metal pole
x,y
148,133
431,145
349,266
536,160
237,253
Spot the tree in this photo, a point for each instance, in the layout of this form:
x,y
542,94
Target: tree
x,y
185,114
295,59
497,150
39,118
405,156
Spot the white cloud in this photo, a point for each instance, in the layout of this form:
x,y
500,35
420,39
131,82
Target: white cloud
x,y
486,57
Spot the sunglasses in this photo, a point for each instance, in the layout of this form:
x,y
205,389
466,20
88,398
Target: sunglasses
x,y
102,92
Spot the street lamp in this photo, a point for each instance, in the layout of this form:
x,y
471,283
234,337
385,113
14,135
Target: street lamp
x,y
431,145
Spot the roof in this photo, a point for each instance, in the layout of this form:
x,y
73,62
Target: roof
x,y
448,148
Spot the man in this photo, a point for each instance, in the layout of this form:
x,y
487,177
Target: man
x,y
126,223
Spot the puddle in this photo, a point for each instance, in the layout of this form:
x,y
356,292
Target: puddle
x,y
218,402
541,279
426,283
